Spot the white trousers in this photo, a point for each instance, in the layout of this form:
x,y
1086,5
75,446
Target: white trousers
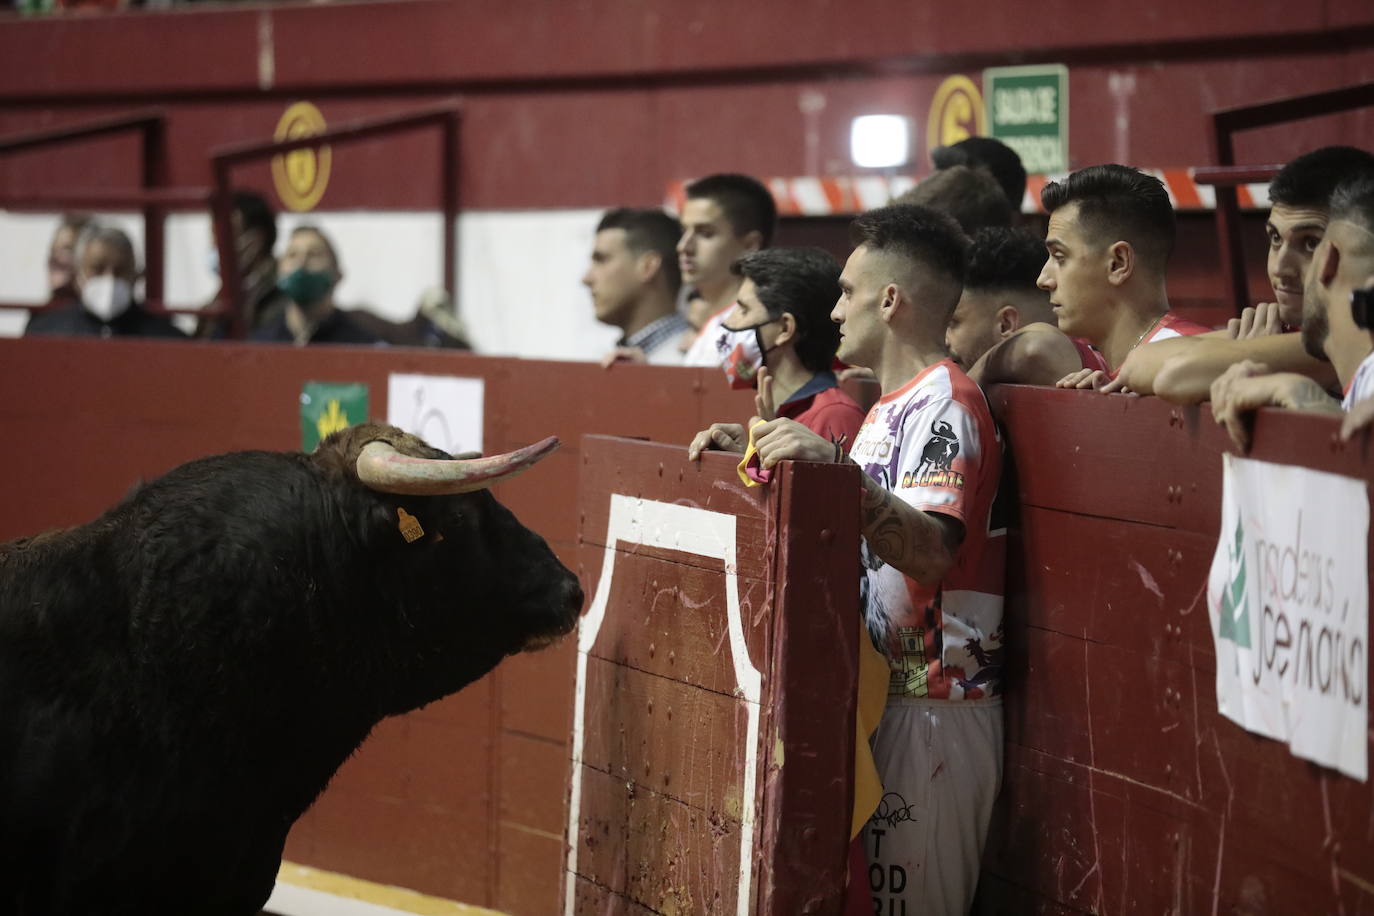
x,y
941,767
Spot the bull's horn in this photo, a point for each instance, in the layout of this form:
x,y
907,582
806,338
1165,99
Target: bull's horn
x,y
382,468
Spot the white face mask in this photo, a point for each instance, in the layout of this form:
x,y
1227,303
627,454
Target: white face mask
x,y
107,296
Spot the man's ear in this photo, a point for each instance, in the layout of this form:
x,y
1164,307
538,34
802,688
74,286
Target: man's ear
x,y
891,302
1121,263
1007,321
752,240
1330,265
787,323
647,265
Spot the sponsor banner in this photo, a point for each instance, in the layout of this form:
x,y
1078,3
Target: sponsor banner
x,y
327,407
1289,601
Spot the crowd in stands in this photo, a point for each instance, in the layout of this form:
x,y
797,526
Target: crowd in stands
x,y
942,295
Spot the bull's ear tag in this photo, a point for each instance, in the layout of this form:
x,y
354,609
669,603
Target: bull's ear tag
x,y
410,526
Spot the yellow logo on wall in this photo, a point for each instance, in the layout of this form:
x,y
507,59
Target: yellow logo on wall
x,y
301,175
956,113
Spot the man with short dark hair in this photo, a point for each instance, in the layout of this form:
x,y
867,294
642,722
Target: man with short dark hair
x,y
970,195
1334,324
1003,329
308,273
254,224
931,458
1183,370
633,279
724,217
779,338
1000,160
1110,235
106,271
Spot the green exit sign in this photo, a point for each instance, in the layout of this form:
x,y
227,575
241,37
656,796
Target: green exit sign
x,y
1028,110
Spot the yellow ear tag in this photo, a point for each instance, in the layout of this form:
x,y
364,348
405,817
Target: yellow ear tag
x,y
410,526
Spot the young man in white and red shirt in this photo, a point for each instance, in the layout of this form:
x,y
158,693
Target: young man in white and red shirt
x,y
934,562
1110,235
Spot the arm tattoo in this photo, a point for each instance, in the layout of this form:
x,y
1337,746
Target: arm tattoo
x,y
914,542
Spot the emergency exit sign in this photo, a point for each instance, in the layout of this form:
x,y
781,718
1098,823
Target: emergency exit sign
x,y
1028,110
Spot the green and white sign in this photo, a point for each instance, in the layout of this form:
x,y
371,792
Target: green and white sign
x,y
1028,110
327,407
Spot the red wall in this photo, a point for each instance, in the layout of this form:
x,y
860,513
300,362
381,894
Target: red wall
x,y
591,104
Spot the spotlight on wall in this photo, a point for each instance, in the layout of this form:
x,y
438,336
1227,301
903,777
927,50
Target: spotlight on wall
x,y
880,141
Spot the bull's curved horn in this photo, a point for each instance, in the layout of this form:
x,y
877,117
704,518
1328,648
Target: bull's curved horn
x,y
382,468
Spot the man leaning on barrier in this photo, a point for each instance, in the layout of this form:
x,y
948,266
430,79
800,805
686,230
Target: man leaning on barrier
x,y
934,564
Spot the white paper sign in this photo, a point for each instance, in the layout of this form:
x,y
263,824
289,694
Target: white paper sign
x,y
1289,600
444,410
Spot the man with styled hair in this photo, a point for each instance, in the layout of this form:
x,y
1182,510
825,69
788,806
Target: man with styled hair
x,y
725,216
1336,324
933,559
1183,370
633,279
1110,235
1003,329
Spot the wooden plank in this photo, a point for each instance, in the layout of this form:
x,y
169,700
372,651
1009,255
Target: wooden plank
x,y
680,740
669,618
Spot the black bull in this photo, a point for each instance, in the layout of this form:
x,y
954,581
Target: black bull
x,y
180,678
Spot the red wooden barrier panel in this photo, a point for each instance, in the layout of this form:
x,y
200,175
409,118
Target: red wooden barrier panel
x,y
713,722
1125,790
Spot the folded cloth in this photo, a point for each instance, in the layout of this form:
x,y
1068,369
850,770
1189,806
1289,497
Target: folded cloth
x,y
751,469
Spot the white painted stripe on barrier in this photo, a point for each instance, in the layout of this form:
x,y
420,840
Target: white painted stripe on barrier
x,y
289,900
810,196
688,529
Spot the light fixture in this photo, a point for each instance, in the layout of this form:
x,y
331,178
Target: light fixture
x,y
880,141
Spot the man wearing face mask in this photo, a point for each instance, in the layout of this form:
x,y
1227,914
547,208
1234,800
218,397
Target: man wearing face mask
x,y
779,337
106,269
308,273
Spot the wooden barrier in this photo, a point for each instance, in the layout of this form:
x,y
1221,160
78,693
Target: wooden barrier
x,y
713,723
1125,791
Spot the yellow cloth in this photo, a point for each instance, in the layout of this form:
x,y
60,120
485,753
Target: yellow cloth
x,y
873,679
749,454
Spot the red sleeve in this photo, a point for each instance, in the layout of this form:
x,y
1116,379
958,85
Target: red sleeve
x,y
837,420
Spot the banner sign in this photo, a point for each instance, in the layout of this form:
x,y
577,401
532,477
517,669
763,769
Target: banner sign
x,y
327,407
1028,110
1289,601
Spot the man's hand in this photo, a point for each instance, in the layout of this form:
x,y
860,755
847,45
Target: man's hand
x,y
764,407
1259,321
784,440
1247,386
1093,379
1357,418
623,355
721,437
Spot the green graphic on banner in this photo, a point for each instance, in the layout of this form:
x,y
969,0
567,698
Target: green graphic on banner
x,y
327,407
1028,110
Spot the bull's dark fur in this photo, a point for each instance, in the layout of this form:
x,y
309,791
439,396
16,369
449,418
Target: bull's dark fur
x,y
180,678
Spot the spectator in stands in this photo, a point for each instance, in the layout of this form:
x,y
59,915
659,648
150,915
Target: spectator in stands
x,y
969,194
106,270
1183,370
254,225
1335,324
634,280
933,591
62,260
1001,305
724,217
779,339
1110,235
308,273
999,159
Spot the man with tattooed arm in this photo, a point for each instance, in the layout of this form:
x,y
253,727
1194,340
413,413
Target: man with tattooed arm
x,y
934,560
